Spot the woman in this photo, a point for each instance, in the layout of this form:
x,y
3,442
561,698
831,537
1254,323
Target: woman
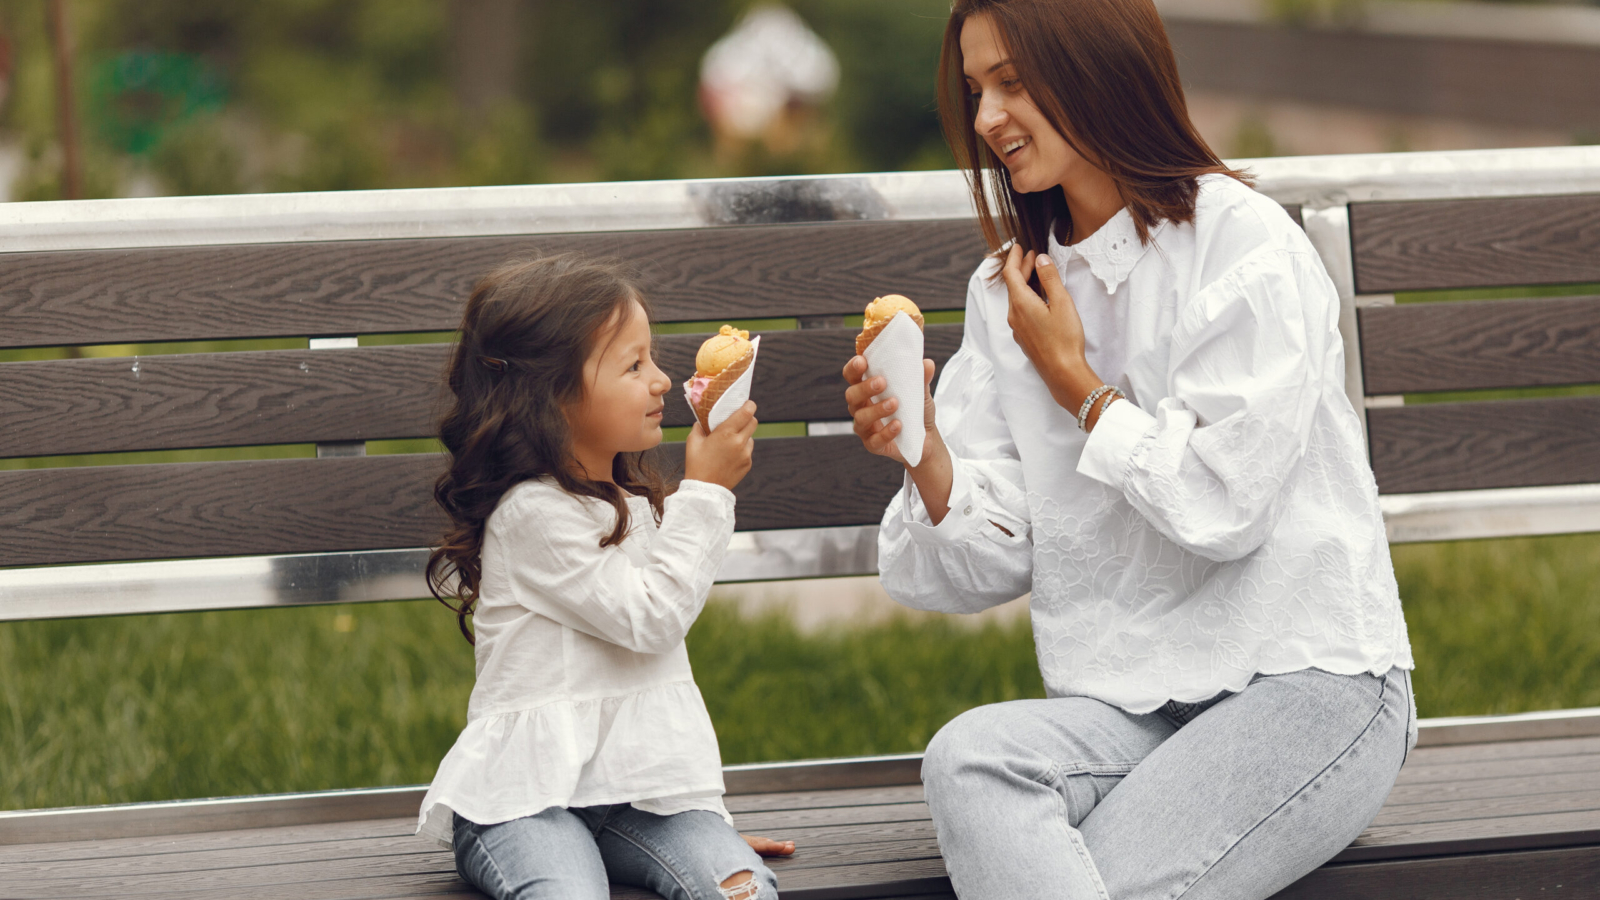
x,y
1145,427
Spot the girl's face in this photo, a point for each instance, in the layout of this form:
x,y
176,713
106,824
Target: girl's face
x,y
1036,155
622,396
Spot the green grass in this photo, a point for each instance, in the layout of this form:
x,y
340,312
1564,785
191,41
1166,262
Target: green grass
x,y
209,704
1503,626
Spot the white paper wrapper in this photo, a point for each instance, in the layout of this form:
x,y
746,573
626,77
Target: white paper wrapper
x,y
896,354
736,394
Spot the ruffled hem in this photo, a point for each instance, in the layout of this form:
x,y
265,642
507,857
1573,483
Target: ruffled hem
x,y
1123,691
648,746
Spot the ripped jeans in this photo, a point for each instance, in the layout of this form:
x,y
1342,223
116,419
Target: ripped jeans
x,y
1231,798
571,854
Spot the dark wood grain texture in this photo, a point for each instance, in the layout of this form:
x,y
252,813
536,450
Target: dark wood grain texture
x,y
1436,244
370,287
878,842
1481,79
1476,345
1495,444
1567,874
220,399
103,513
799,374
371,393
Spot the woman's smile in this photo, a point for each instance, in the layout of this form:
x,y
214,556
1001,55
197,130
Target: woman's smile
x,y
1011,149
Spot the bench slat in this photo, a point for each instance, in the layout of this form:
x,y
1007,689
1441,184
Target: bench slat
x,y
1438,244
1477,345
1493,444
1488,876
370,393
104,513
371,287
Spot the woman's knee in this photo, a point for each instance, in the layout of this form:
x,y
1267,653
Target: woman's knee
x,y
964,750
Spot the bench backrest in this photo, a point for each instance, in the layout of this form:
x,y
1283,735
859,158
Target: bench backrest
x,y
348,526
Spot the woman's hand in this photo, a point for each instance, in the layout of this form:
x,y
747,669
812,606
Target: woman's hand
x,y
769,847
935,474
1049,332
876,434
723,456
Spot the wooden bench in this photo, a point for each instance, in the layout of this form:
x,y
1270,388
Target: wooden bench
x,y
1484,806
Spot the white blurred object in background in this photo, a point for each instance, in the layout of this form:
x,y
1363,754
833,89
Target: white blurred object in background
x,y
764,79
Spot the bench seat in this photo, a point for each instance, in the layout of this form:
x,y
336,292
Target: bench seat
x,y
1489,818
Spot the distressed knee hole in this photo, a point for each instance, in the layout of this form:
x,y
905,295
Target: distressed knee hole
x,y
740,886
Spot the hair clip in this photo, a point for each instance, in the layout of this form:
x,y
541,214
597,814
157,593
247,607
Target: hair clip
x,y
490,362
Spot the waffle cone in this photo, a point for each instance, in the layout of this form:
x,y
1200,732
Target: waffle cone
x,y
719,385
871,332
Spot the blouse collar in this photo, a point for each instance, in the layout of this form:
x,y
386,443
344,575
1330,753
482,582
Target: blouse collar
x,y
1111,252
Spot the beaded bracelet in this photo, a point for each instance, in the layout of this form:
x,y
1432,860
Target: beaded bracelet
x,y
1115,395
1088,404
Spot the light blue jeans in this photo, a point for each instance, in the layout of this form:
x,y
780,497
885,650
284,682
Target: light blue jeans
x,y
571,854
1232,798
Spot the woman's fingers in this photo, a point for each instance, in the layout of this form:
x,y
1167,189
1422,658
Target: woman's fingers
x,y
1050,279
861,394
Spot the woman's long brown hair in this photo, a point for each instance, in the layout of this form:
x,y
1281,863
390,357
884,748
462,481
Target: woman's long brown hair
x,y
527,330
1103,74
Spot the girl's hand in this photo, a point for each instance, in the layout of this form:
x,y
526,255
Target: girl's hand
x,y
876,434
767,846
1049,333
723,456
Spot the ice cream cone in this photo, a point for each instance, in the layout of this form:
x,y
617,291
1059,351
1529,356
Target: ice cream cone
x,y
719,386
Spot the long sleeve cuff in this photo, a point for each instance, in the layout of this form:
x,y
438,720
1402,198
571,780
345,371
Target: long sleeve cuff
x,y
960,523
715,491
1109,450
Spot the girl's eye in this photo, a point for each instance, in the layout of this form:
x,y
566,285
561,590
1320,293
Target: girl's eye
x,y
635,366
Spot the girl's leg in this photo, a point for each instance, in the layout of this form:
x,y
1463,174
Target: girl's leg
x,y
1008,785
549,856
1256,791
692,855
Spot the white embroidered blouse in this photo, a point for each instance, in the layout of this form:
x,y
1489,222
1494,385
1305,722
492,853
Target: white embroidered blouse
x,y
1220,522
584,695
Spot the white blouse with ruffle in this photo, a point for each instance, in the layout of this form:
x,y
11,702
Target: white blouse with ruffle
x,y
1223,521
584,695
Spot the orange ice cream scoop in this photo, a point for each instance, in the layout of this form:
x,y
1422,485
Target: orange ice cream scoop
x,y
721,350
718,364
878,314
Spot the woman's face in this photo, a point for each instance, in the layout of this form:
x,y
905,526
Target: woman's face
x,y
1037,156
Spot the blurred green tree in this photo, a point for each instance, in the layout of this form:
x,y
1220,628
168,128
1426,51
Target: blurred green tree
x,y
190,97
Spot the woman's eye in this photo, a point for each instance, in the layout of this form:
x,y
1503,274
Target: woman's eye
x,y
1010,84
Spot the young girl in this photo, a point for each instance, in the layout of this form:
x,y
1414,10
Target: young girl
x,y
588,755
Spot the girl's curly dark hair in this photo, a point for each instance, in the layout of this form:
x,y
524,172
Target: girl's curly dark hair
x,y
526,332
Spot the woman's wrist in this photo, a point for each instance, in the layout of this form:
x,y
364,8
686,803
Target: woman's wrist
x,y
934,476
1071,381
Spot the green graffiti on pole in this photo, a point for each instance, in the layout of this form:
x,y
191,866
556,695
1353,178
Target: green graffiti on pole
x,y
138,96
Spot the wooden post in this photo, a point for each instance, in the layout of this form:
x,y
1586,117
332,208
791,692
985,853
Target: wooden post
x,y
66,118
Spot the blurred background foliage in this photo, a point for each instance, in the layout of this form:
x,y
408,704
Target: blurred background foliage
x,y
178,97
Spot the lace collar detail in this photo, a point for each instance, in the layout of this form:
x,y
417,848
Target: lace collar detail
x,y
1111,252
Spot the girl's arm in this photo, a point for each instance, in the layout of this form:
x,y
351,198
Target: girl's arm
x,y
557,568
